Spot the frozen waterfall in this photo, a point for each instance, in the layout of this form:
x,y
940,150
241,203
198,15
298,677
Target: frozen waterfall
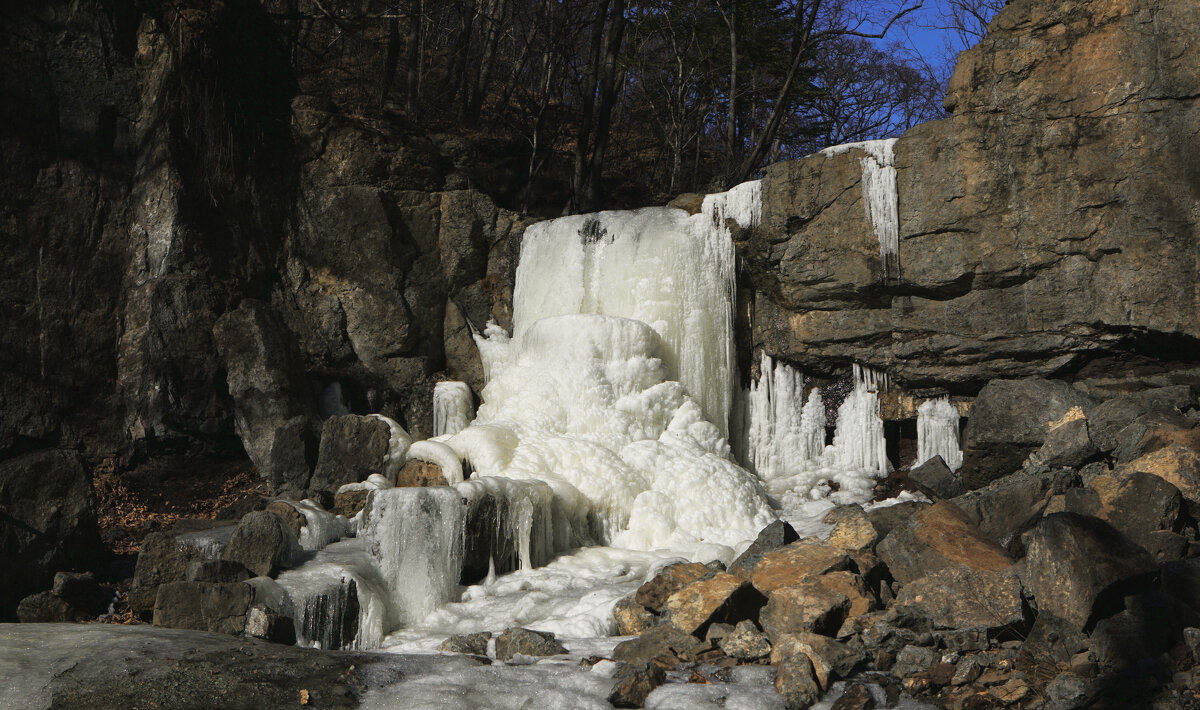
x,y
937,433
453,407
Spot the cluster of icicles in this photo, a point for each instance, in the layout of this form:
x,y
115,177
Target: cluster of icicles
x,y
605,420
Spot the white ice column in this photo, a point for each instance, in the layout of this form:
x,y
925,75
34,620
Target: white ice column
x,y
859,440
880,199
937,433
777,444
453,407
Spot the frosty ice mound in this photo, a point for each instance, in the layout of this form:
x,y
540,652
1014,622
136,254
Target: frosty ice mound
x,y
616,386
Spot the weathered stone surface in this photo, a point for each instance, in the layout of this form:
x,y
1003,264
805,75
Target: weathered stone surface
x,y
935,479
348,503
660,640
275,415
1052,639
1002,273
670,579
352,448
960,598
635,681
475,644
808,606
1181,579
1067,445
49,514
262,543
1009,420
416,473
527,643
217,571
1156,430
287,513
831,659
262,623
1137,504
796,682
852,529
1106,419
745,642
912,660
720,598
1076,565
1007,507
938,537
631,617
772,537
203,606
791,564
889,517
1177,465
851,586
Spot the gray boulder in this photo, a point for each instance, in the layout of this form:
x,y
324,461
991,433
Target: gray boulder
x,y
203,606
352,448
935,479
262,543
1079,568
1010,420
527,643
1106,419
47,523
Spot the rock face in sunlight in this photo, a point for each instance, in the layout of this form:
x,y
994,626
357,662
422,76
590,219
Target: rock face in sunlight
x,y
1041,227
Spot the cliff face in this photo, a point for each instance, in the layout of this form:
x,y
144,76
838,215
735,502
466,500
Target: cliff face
x,y
194,255
1050,227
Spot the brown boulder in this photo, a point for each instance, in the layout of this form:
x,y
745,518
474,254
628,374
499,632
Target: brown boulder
x,y
959,598
720,598
939,536
791,564
806,607
416,474
670,579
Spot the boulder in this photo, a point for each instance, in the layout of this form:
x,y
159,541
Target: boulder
x,y
852,586
49,513
661,641
632,618
634,683
792,563
831,660
1181,579
745,642
887,518
720,598
46,608
203,606
805,607
912,660
1051,640
417,473
1177,465
348,503
1067,445
772,537
1137,504
475,644
959,598
525,642
670,579
935,479
1154,431
1005,508
852,529
227,571
1010,420
938,537
1078,568
796,681
1106,419
261,542
289,516
274,412
1070,692
352,448
263,623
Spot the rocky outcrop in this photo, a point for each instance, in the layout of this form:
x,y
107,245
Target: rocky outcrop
x,y
1047,228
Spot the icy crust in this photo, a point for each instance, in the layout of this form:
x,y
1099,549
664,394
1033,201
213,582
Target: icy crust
x,y
587,400
398,443
453,407
660,266
337,599
937,433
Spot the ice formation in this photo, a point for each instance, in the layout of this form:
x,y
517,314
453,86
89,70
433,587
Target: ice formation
x,y
453,407
937,433
879,197
859,441
337,599
785,435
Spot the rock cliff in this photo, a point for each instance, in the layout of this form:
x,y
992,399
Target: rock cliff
x,y
1049,227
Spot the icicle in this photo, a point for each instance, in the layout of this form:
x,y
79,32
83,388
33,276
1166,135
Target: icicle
x,y
859,440
398,443
812,426
777,444
337,599
879,197
937,432
453,408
